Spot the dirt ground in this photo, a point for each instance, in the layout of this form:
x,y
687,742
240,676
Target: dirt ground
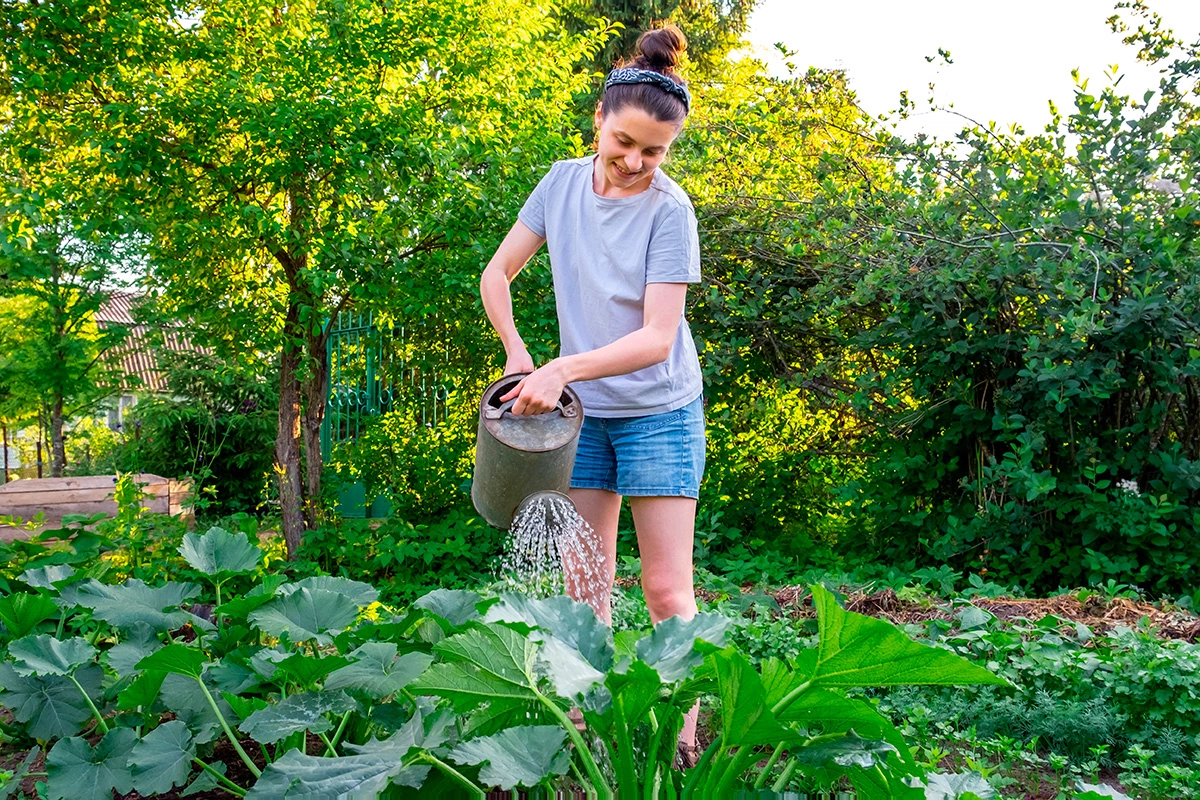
x,y
1098,613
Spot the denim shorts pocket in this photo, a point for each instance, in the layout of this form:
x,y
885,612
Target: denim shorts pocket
x,y
654,422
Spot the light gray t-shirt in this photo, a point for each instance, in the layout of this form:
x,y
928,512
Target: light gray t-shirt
x,y
603,252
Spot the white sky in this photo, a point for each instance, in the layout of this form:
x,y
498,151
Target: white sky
x,y
1009,58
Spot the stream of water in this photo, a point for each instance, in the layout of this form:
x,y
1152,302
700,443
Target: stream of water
x,y
547,534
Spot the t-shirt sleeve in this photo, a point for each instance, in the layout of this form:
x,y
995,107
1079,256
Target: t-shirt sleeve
x,y
674,252
533,213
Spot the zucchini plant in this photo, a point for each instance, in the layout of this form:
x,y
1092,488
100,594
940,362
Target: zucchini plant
x,y
129,690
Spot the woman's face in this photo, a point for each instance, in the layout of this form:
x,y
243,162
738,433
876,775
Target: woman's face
x,y
630,145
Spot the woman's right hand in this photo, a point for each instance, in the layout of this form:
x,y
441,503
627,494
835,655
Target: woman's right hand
x,y
518,361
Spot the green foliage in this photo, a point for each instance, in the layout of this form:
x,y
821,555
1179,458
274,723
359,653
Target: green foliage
x,y
215,425
506,669
454,550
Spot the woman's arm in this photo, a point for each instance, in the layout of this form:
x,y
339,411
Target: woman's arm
x,y
648,345
509,259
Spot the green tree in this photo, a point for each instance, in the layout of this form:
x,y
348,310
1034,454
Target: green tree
x,y
56,261
288,163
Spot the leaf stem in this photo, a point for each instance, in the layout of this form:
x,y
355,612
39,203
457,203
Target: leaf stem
x,y
230,786
652,761
782,781
585,755
762,777
626,771
330,750
95,711
454,774
790,698
225,726
337,735
698,771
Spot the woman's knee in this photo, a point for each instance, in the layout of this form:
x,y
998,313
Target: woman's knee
x,y
668,598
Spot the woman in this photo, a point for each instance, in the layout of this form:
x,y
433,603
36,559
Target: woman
x,y
623,247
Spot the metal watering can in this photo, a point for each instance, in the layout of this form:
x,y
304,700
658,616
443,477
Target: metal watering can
x,y
521,457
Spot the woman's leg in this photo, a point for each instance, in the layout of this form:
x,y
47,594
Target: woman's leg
x,y
665,530
601,509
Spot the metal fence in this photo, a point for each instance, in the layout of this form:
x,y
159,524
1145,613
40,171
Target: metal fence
x,y
375,368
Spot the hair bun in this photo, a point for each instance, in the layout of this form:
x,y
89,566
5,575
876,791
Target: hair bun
x,y
660,48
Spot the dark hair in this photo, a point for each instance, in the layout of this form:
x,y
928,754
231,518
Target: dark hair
x,y
659,50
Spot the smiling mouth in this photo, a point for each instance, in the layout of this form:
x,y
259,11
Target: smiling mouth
x,y
623,173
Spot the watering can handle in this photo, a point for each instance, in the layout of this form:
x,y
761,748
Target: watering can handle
x,y
493,412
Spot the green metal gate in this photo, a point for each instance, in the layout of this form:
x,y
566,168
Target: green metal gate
x,y
372,371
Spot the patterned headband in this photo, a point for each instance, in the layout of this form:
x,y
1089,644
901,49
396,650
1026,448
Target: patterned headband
x,y
623,75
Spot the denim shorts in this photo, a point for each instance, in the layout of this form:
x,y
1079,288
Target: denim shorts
x,y
660,455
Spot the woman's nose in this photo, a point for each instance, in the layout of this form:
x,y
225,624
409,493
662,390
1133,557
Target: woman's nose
x,y
633,163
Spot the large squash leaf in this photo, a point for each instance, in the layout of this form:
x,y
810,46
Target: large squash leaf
x,y
77,771
671,648
486,663
219,553
162,759
520,756
377,672
857,650
134,602
45,655
307,615
298,712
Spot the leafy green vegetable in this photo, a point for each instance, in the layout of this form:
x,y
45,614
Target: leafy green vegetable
x,y
520,756
162,759
45,655
307,615
297,712
77,771
219,553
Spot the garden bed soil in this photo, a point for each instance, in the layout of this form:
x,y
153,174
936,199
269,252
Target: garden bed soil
x,y
1099,614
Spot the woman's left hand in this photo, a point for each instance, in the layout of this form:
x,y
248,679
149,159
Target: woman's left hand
x,y
539,391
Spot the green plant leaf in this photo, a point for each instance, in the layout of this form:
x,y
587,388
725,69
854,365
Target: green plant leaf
x,y
219,553
746,719
47,577
307,615
162,759
455,606
850,751
962,786
142,692
45,655
297,712
77,771
1093,791
297,775
134,602
856,650
178,659
578,649
22,612
487,663
520,756
50,706
359,593
306,670
635,690
376,672
427,729
671,648
124,657
204,780
836,713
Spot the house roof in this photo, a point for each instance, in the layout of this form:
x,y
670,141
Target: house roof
x,y
137,355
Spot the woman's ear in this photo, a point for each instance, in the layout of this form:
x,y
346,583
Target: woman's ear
x,y
599,115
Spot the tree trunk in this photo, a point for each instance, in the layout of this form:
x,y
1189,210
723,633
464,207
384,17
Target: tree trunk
x,y
287,441
316,390
58,453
